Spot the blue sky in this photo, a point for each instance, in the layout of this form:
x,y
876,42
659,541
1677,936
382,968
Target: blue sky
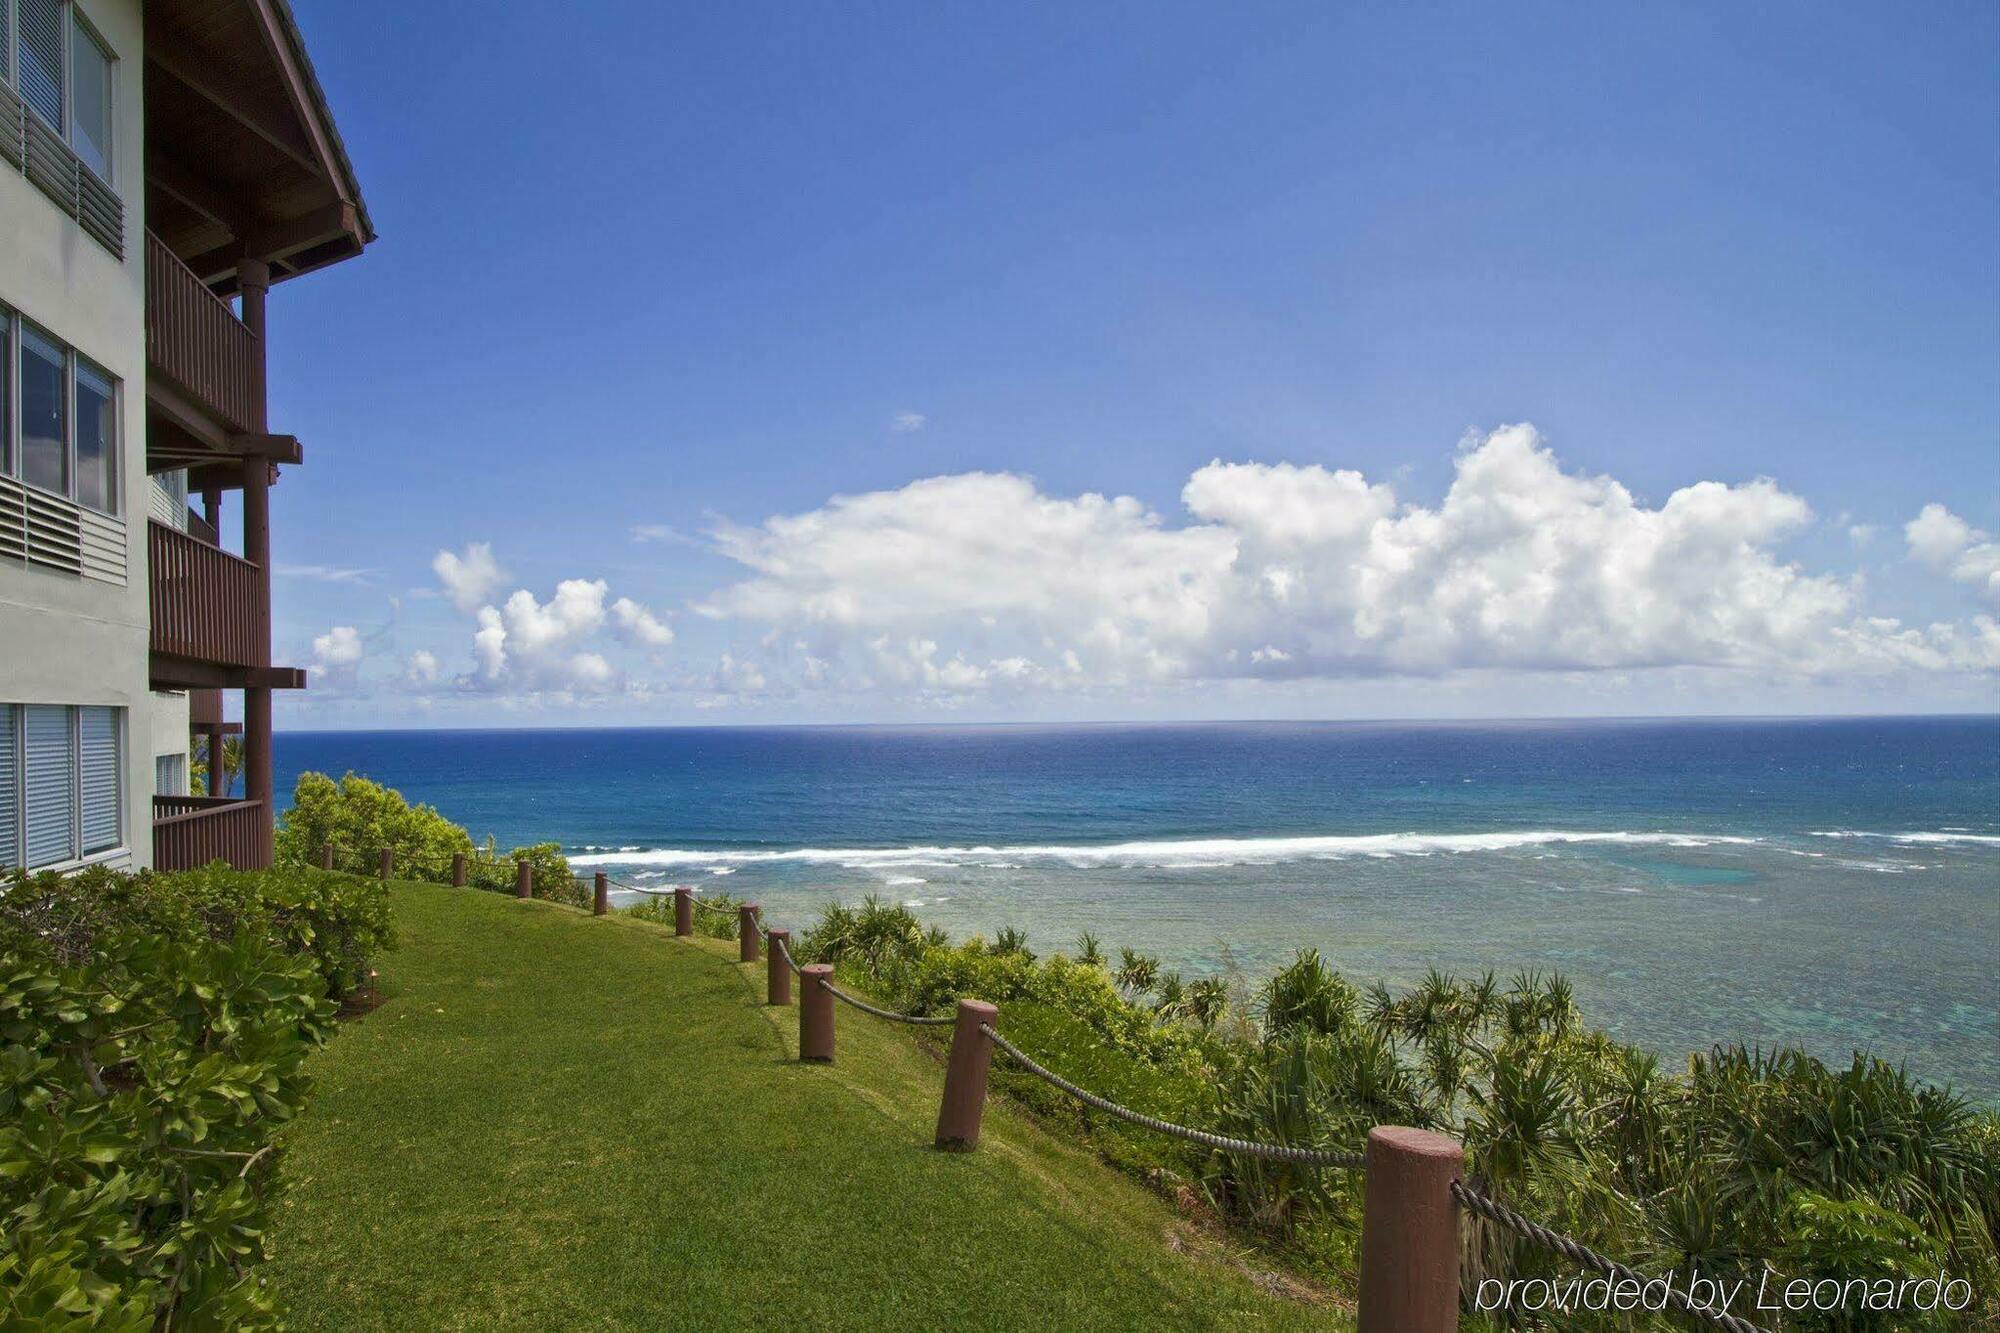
x,y
653,276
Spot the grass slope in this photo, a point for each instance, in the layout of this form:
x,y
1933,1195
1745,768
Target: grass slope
x,y
554,1121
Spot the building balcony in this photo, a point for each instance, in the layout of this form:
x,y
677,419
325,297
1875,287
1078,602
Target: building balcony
x,y
211,616
191,831
202,362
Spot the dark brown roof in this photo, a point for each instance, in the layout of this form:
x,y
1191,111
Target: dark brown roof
x,y
243,157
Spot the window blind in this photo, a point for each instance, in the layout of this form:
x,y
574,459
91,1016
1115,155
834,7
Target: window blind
x,y
40,73
10,789
97,771
48,787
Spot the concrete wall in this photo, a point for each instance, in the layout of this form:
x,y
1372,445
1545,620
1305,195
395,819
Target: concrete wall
x,y
64,639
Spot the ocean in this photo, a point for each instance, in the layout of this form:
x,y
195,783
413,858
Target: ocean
x,y
1826,883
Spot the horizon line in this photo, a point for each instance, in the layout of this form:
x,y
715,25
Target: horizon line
x,y
1460,720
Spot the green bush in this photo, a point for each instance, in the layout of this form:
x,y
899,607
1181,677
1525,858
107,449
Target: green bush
x,y
716,924
359,818
1748,1157
153,1030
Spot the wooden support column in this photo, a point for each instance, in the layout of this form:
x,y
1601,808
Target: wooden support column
x,y
254,278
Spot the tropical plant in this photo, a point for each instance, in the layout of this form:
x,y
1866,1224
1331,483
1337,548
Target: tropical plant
x,y
153,1030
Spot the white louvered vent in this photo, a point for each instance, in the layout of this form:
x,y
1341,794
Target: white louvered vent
x,y
49,532
51,797
97,760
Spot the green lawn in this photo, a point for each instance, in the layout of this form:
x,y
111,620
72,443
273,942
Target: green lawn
x,y
555,1121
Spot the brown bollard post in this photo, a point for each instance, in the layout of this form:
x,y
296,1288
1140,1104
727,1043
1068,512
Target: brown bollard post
x,y
524,880
458,870
388,860
965,1078
600,898
778,977
746,933
1409,1232
326,856
683,911
815,1012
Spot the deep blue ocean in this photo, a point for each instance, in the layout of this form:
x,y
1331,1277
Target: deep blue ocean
x,y
1829,883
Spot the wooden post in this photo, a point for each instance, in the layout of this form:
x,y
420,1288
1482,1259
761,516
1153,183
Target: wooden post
x,y
965,1078
815,1012
1409,1232
458,870
683,911
749,946
326,856
388,860
778,977
600,898
524,880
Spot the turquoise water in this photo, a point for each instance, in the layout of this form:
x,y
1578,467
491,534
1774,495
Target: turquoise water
x,y
1826,883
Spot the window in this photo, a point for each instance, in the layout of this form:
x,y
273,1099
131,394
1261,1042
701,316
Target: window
x,y
44,446
64,436
96,439
170,775
10,789
54,40
90,97
61,783
49,768
38,70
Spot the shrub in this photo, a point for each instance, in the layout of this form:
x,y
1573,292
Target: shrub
x,y
359,818
153,1030
719,924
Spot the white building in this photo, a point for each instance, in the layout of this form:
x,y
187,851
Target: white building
x,y
156,166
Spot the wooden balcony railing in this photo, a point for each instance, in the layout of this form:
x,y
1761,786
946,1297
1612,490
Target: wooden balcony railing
x,y
195,339
208,605
190,831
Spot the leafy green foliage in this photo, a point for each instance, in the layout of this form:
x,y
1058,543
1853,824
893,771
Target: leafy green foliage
x,y
1748,1157
719,924
153,1030
359,818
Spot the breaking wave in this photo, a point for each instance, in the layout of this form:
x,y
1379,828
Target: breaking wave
x,y
1163,854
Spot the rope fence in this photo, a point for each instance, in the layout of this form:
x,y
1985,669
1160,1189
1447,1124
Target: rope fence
x,y
1279,1152
915,1020
1576,1252
1410,1246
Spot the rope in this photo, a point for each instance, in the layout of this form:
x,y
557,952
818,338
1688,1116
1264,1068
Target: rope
x,y
916,1020
1351,1161
1494,1211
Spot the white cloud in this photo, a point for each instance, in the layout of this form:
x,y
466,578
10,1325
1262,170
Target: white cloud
x,y
470,576
338,647
326,573
979,581
908,423
336,656
1861,533
1946,542
660,532
636,625
423,667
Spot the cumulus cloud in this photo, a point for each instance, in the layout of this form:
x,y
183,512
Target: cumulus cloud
x,y
1946,542
337,654
981,581
423,668
339,646
469,576
638,626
